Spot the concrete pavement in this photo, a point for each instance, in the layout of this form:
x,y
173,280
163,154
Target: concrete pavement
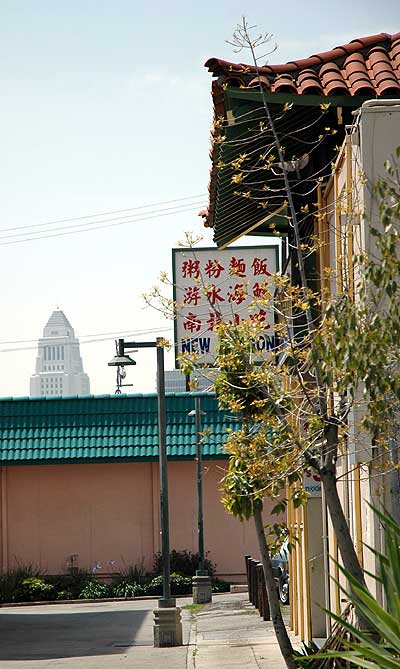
x,y
104,635
230,633
111,635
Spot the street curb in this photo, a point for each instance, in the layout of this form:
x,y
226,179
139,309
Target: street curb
x,y
192,645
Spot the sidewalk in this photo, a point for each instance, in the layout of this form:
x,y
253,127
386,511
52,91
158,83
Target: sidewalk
x,y
119,635
230,633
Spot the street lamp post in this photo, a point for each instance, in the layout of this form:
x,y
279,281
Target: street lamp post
x,y
200,525
197,412
167,618
201,582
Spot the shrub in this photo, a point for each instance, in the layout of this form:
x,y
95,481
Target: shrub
x,y
70,583
64,594
378,647
220,586
94,590
133,573
129,582
180,585
11,581
183,562
33,589
126,589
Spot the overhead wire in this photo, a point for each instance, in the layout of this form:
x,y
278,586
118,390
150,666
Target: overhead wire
x,y
105,213
95,334
78,341
72,229
132,217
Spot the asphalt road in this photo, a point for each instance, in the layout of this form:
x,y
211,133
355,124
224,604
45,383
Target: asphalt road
x,y
89,636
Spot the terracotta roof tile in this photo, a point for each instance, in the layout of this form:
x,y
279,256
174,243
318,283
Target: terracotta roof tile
x,y
357,76
367,65
332,80
382,70
264,80
284,83
308,82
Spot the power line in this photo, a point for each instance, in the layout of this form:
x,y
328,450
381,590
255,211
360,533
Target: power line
x,y
104,213
118,333
88,341
99,227
131,217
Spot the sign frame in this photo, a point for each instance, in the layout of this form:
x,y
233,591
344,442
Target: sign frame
x,y
216,252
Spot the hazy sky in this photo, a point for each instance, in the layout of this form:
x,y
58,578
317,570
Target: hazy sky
x,y
106,106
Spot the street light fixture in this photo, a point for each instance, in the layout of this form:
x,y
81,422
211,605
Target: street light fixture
x,y
168,626
201,582
197,413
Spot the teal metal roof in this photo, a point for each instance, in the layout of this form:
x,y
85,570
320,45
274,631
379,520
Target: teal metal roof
x,y
106,428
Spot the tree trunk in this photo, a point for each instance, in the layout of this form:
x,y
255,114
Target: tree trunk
x,y
341,527
282,636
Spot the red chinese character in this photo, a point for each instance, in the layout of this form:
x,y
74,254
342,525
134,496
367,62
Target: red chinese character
x,y
213,294
237,266
192,323
260,317
192,295
238,294
213,268
236,320
259,289
260,267
214,320
191,269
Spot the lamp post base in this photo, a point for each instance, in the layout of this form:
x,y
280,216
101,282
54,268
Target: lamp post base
x,y
167,627
202,593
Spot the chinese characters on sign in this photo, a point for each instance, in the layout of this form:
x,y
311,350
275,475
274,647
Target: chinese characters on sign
x,y
312,483
211,286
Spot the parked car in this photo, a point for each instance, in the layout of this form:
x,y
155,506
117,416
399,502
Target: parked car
x,y
280,568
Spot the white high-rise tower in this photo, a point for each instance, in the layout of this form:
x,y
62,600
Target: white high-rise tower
x,y
59,368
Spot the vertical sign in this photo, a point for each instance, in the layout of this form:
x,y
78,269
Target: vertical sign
x,y
212,285
312,483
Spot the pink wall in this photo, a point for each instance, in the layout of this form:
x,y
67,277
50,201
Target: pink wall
x,y
105,512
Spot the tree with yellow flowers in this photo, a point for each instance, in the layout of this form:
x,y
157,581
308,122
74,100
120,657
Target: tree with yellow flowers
x,y
333,356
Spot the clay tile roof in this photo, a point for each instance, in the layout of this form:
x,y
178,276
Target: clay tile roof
x,y
308,82
284,83
106,429
367,65
264,80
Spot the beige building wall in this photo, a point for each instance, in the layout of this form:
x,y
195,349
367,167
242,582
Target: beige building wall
x,y
110,512
347,206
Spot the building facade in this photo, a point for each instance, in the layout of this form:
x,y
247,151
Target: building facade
x,y
59,367
337,211
79,481
175,381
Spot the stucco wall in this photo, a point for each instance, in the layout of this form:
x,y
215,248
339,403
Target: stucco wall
x,y
104,512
